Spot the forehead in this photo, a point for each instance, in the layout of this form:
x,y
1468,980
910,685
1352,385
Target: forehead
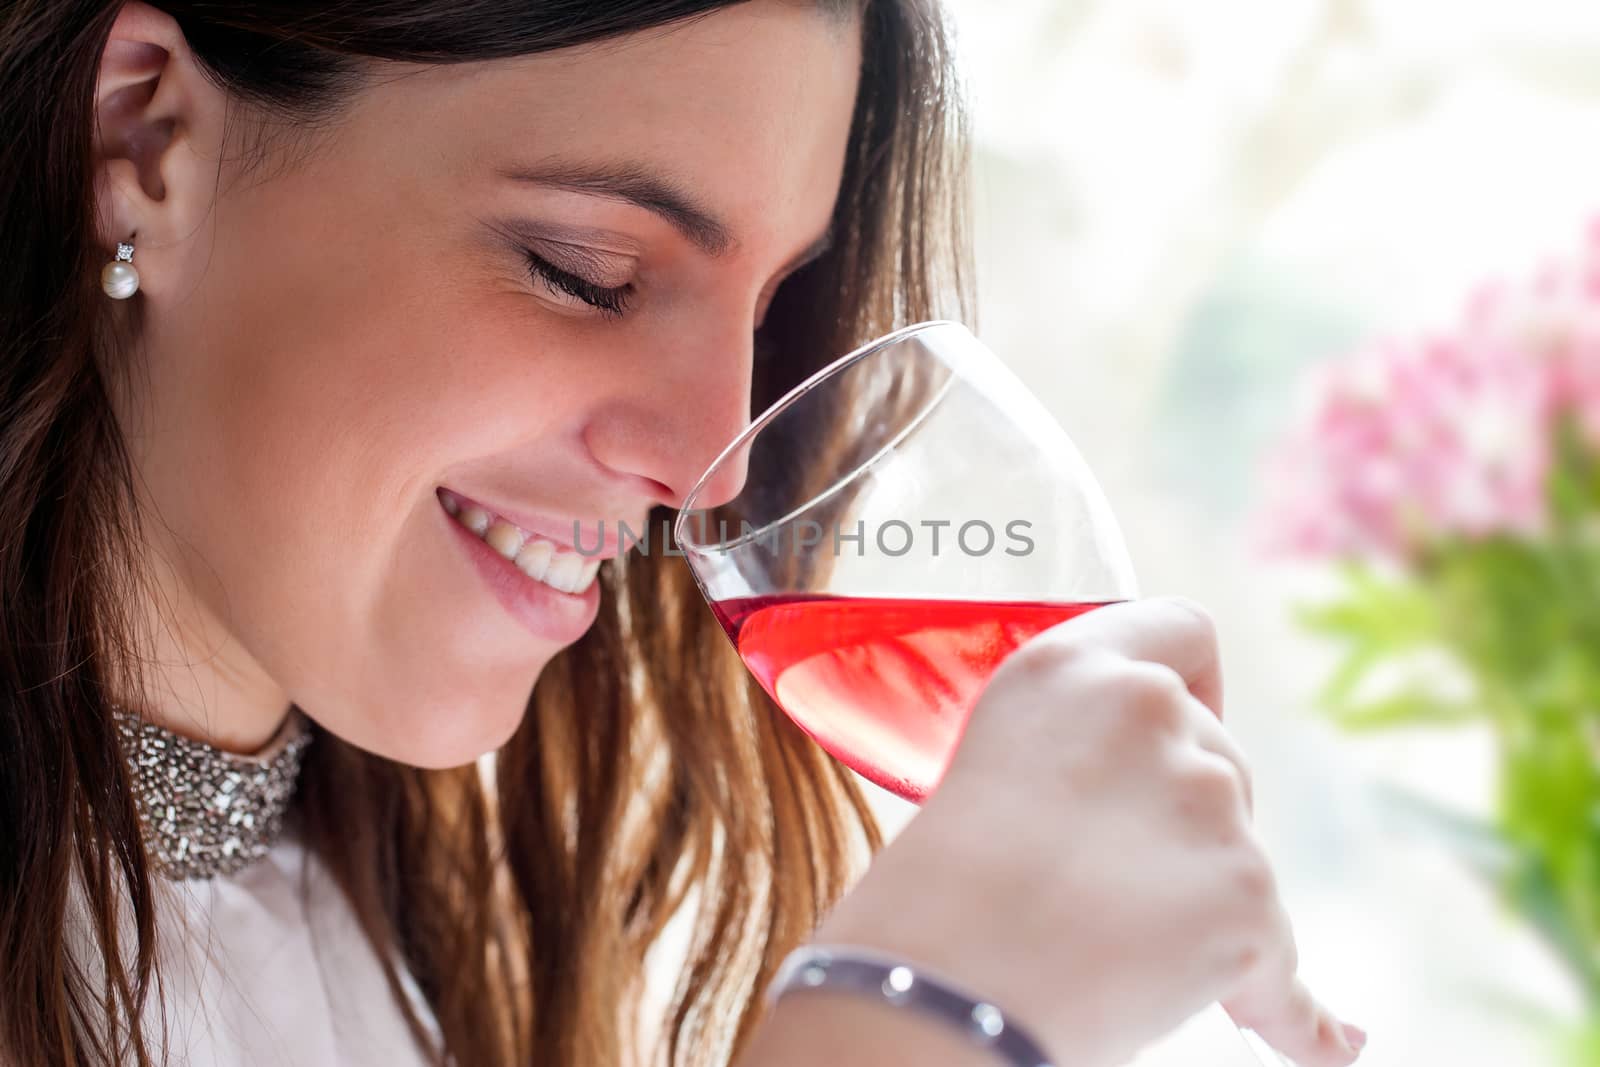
x,y
747,107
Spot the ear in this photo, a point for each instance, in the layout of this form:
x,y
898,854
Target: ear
x,y
159,127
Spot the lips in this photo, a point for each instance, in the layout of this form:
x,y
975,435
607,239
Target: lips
x,y
547,588
592,539
560,566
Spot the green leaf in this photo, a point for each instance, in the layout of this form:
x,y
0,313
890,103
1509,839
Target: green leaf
x,y
1411,707
1534,894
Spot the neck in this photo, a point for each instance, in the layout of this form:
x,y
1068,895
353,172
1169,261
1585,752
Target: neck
x,y
195,678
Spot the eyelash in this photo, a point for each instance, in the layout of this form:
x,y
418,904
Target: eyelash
x,y
612,302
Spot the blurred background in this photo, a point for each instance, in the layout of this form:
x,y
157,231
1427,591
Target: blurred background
x,y
1182,209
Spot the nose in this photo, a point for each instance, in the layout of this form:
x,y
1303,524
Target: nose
x,y
674,414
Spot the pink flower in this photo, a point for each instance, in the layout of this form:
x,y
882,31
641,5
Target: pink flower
x,y
1407,444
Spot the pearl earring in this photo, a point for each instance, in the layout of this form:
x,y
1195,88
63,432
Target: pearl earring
x,y
119,278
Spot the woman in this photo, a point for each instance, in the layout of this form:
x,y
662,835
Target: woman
x,y
308,307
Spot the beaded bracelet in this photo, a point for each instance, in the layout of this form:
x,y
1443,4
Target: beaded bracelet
x,y
855,970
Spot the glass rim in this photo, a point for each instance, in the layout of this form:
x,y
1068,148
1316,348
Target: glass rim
x,y
778,407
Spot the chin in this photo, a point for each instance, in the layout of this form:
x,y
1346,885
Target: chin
x,y
436,735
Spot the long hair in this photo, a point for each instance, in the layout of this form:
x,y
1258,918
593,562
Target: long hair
x,y
650,777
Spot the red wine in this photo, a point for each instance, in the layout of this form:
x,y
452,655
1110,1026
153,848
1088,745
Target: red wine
x,y
886,685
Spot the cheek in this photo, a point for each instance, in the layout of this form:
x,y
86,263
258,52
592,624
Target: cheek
x,y
297,461
348,387
322,380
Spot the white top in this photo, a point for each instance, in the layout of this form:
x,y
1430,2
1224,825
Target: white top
x,y
268,967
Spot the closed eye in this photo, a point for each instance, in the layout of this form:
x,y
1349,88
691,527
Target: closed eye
x,y
610,301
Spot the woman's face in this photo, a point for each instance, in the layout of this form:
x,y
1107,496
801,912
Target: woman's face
x,y
404,312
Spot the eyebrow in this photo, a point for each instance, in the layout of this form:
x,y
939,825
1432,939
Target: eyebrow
x,y
635,185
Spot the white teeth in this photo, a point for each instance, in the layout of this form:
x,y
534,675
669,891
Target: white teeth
x,y
541,560
563,572
505,539
534,559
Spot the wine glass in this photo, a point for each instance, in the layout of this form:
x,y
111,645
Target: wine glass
x,y
899,523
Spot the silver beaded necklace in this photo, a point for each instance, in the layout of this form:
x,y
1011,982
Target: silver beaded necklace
x,y
207,812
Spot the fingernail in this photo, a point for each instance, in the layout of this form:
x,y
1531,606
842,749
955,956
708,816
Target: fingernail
x,y
1355,1036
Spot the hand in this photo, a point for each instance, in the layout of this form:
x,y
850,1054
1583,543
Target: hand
x,y
1088,860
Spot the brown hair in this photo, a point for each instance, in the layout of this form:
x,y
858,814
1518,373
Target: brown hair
x,y
650,773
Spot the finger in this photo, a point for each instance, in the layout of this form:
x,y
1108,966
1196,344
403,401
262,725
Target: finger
x,y
1166,630
1299,1027
1211,736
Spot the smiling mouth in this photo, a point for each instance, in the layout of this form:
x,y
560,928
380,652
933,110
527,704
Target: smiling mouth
x,y
558,566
